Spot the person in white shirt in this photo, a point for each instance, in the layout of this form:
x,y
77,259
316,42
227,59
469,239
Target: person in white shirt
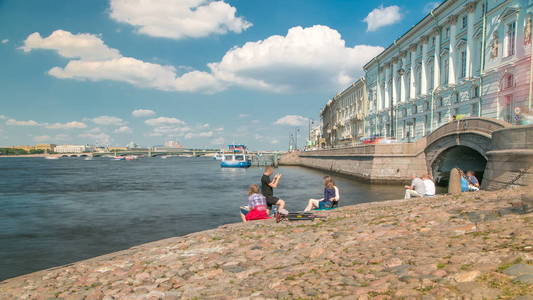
x,y
429,185
416,189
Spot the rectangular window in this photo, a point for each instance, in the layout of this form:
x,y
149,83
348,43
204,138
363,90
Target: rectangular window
x,y
510,38
463,64
447,33
465,21
431,76
509,111
474,110
476,92
446,69
419,81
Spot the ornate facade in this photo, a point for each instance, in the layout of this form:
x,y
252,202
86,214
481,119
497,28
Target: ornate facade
x,y
466,58
343,117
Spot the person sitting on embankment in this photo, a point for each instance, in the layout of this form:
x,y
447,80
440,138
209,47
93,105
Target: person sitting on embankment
x,y
331,195
257,206
416,189
429,186
473,183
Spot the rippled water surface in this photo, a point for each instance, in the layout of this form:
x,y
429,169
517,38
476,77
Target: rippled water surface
x,y
54,212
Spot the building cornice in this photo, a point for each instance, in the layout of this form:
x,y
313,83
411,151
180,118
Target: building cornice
x,y
433,15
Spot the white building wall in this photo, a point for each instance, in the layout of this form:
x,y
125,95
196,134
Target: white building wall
x,y
464,45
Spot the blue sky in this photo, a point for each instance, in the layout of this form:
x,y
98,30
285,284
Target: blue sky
x,y
203,72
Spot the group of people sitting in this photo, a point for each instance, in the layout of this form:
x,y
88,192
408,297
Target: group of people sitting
x,y
420,187
260,201
425,187
469,182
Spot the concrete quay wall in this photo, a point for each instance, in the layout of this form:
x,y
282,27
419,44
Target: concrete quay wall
x,y
371,163
507,151
510,161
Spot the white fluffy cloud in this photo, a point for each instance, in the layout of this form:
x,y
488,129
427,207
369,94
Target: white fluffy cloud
x,y
13,122
178,19
100,138
2,117
68,125
292,120
305,59
108,120
143,113
5,41
382,16
192,135
47,138
95,61
164,121
123,129
83,45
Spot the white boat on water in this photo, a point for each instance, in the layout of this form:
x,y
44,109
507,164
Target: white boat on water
x,y
51,157
236,157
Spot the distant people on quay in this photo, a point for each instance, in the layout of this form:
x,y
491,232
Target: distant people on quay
x,y
429,185
257,205
331,196
473,183
416,189
465,186
267,189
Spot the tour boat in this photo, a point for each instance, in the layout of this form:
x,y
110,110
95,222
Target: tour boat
x,y
236,157
131,157
119,158
51,157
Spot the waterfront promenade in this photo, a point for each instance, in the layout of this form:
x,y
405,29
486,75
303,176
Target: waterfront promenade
x,y
472,245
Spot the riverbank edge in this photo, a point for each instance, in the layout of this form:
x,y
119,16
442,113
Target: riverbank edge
x,y
145,253
156,243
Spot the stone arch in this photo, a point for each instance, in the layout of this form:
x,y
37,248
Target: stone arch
x,y
467,141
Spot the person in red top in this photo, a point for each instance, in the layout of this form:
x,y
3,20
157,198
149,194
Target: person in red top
x,y
257,205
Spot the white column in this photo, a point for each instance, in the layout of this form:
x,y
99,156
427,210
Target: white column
x,y
412,83
436,61
394,82
378,90
423,79
470,39
403,93
387,88
453,31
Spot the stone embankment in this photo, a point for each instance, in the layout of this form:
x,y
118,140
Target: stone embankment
x,y
467,246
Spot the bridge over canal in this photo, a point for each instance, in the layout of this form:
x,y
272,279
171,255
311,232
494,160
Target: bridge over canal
x,y
501,154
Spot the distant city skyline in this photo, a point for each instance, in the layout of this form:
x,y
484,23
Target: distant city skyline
x,y
104,73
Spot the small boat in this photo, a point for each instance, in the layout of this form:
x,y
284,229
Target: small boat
x,y
131,157
88,158
119,158
51,157
236,157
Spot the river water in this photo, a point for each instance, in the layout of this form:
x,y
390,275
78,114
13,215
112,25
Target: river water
x,y
54,212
